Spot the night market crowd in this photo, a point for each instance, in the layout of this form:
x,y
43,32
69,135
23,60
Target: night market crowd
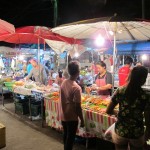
x,y
132,128
134,104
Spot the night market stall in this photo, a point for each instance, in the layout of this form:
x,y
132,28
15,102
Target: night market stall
x,y
113,29
93,107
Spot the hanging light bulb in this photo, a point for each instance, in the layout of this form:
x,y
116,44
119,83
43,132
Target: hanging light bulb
x,y
144,57
76,54
21,57
99,40
111,32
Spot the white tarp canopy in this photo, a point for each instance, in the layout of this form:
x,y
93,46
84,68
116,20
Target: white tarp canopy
x,y
59,47
125,31
113,31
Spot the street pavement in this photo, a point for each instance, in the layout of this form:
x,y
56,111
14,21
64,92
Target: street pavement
x,y
22,135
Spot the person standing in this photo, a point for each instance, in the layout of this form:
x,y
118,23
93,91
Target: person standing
x,y
59,78
24,68
94,68
133,103
70,105
29,67
124,71
103,80
38,72
48,64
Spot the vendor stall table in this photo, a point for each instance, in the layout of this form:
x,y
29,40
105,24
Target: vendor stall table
x,y
39,96
4,90
95,123
30,93
24,91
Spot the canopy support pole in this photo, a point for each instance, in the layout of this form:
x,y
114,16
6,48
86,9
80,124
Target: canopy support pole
x,y
55,12
92,64
38,50
123,60
67,59
39,57
114,58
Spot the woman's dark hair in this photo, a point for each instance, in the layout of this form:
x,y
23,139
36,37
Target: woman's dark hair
x,y
101,63
128,60
73,68
60,74
136,79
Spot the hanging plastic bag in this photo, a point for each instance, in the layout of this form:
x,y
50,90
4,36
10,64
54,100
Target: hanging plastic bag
x,y
109,131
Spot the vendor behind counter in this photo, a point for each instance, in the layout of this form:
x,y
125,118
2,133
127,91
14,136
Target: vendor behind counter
x,y
39,72
103,80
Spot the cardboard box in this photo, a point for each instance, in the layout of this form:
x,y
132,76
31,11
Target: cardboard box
x,y
2,136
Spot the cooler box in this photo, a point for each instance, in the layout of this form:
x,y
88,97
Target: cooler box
x,y
2,136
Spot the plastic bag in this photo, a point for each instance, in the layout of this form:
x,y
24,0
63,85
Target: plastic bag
x,y
109,131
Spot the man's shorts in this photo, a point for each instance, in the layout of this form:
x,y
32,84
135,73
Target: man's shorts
x,y
125,141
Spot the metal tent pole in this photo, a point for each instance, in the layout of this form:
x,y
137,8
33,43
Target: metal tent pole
x,y
55,12
123,60
114,58
67,58
92,64
38,50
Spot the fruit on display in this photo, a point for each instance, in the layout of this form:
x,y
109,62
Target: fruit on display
x,y
53,96
83,72
9,85
84,98
41,87
1,81
19,83
95,100
55,93
94,103
8,80
30,86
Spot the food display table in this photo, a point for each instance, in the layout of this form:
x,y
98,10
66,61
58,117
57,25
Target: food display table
x,y
21,90
95,123
30,93
4,90
39,96
52,116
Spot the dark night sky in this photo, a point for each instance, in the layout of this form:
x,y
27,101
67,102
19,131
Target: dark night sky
x,y
40,12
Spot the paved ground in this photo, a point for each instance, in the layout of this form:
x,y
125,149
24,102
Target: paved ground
x,y
22,137
23,134
26,135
